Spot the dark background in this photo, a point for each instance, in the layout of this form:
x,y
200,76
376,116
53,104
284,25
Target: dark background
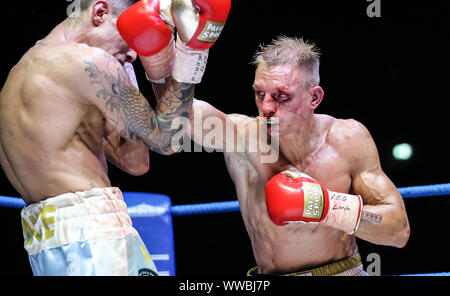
x,y
390,73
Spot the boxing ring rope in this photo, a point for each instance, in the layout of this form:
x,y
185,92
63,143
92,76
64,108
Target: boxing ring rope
x,y
233,206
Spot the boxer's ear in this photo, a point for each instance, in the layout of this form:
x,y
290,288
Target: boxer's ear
x,y
316,93
99,12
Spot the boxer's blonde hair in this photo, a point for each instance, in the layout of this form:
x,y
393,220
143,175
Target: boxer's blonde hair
x,y
291,51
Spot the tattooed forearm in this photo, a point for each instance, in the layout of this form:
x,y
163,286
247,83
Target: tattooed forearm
x,y
129,111
176,101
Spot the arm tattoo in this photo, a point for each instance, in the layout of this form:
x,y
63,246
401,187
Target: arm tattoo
x,y
127,109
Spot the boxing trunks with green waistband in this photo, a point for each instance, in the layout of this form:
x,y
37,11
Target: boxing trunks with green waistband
x,y
351,266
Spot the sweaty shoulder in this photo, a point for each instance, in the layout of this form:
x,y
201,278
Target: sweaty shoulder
x,y
352,139
71,64
347,130
72,57
57,61
61,56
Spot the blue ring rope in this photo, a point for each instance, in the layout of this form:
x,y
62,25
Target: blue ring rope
x,y
233,206
428,274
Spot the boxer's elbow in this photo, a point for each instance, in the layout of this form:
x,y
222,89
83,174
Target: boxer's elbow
x,y
401,236
136,166
165,151
163,144
138,170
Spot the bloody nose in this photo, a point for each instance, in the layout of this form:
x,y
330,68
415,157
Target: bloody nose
x,y
268,107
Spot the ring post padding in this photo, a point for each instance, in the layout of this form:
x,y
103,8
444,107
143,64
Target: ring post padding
x,y
151,217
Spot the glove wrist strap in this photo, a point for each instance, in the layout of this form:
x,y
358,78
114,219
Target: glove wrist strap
x,y
345,212
190,64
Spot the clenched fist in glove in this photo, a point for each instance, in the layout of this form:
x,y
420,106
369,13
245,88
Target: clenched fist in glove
x,y
148,25
292,196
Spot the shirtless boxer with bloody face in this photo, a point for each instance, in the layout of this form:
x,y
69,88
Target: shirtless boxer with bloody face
x,y
344,179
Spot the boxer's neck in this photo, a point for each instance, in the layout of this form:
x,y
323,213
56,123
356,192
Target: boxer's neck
x,y
298,145
71,30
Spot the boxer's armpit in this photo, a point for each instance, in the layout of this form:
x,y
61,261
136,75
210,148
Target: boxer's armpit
x,y
128,111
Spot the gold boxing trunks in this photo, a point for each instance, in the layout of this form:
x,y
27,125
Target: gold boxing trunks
x,y
351,266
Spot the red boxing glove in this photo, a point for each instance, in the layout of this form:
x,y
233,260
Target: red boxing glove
x,y
200,22
292,196
143,26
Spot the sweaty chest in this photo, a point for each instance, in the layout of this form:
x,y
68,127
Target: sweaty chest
x,y
328,167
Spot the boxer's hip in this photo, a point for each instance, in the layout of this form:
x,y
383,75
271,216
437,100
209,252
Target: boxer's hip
x,y
83,233
78,216
351,266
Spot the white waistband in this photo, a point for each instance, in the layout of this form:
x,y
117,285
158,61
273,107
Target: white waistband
x,y
72,217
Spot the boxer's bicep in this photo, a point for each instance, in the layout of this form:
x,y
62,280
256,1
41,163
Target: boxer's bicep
x,y
379,194
368,178
210,127
105,84
381,197
124,107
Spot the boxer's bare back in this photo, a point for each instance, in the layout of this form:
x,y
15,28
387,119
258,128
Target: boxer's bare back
x,y
51,141
60,104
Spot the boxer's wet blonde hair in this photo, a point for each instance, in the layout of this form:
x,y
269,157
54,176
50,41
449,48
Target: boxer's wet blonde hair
x,y
291,51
